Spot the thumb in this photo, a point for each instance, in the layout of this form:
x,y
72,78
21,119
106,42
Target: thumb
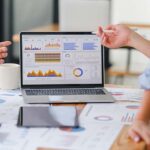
x,y
134,136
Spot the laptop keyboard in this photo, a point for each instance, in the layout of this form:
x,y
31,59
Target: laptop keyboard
x,y
71,91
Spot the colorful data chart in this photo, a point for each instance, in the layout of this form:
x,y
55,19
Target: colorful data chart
x,y
75,129
77,72
53,45
47,57
31,47
128,118
133,107
89,46
103,118
49,73
70,46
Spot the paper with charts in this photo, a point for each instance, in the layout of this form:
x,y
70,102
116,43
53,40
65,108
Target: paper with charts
x,y
126,94
100,124
112,113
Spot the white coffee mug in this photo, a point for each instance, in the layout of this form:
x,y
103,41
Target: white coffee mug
x,y
9,76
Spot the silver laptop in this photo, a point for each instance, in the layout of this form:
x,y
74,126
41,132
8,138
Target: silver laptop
x,y
62,67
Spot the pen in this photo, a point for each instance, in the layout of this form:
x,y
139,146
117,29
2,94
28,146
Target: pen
x,y
105,31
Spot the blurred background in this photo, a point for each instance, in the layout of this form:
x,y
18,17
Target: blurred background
x,y
123,66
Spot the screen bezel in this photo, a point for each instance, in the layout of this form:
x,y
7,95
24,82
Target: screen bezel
x,y
59,85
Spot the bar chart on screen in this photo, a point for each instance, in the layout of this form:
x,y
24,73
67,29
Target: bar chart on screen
x,y
40,73
47,57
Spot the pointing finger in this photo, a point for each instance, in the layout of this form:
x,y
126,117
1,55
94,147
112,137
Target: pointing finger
x,y
4,44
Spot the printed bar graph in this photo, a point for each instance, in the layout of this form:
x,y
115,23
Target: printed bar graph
x,y
128,118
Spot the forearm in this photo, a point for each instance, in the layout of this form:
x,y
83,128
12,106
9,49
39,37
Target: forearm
x,y
144,112
140,43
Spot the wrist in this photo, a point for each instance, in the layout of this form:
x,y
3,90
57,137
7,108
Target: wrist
x,y
132,40
138,42
142,117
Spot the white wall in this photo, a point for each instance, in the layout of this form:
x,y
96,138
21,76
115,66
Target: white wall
x,y
131,12
83,15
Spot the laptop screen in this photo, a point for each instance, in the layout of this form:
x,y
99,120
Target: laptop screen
x,y
51,59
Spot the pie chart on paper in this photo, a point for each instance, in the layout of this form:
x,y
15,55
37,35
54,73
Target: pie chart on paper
x,y
103,118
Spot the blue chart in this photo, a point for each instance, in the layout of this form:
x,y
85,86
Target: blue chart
x,y
70,46
103,118
89,46
77,129
2,101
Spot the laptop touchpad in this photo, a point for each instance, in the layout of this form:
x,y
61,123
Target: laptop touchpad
x,y
55,98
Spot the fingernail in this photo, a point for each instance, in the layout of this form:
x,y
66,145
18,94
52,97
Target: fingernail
x,y
137,139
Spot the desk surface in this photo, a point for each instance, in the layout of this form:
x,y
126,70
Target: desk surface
x,y
10,101
121,143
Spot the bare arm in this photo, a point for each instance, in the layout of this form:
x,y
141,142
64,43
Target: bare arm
x,y
141,126
124,36
144,113
139,43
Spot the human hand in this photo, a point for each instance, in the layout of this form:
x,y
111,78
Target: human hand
x,y
140,130
120,37
3,50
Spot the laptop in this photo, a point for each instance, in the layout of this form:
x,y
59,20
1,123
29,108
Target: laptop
x,y
62,67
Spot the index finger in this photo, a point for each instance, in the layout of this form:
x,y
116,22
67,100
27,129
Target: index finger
x,y
100,31
110,27
4,44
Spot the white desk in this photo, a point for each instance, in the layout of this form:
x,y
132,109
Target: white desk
x,y
13,138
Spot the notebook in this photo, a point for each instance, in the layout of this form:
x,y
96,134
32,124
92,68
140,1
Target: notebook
x,y
62,67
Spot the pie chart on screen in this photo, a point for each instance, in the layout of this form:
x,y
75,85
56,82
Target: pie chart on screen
x,y
77,72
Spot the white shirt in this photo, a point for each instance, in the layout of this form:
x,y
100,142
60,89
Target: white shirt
x,y
145,79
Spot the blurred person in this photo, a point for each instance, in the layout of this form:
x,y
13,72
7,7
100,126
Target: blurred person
x,y
115,36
